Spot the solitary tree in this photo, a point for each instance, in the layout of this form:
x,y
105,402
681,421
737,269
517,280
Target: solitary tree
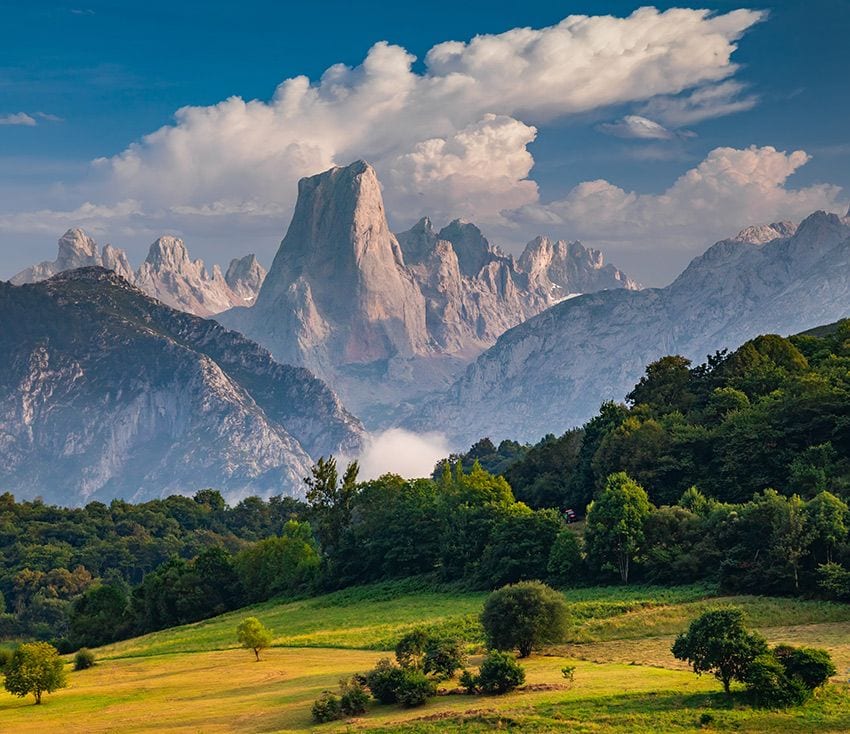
x,y
524,616
252,634
615,522
35,668
718,642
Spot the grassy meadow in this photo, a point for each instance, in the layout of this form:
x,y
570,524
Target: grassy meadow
x,y
195,679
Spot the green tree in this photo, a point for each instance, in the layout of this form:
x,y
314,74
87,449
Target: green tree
x,y
524,616
252,634
718,642
566,564
331,500
35,668
826,517
615,524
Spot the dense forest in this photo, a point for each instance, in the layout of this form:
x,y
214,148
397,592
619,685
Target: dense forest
x,y
734,472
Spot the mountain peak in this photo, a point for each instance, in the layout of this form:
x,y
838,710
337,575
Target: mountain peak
x,y
471,246
168,253
245,277
760,234
76,249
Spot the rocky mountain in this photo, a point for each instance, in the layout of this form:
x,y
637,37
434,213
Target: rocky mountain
x,y
106,392
167,274
385,318
553,371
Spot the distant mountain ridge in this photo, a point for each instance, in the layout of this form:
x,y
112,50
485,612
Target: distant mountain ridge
x,y
168,274
552,372
384,317
106,393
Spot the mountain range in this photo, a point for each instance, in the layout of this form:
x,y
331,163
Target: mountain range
x,y
168,274
106,392
387,318
553,371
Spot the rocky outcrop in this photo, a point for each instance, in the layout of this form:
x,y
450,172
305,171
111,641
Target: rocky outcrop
x,y
553,371
167,274
105,392
244,277
386,318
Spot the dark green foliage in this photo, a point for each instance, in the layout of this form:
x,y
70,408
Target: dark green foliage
x,y
443,657
811,666
99,615
410,650
493,459
331,501
5,657
414,688
469,682
566,563
499,673
519,546
524,616
384,680
542,477
326,708
354,698
83,659
718,642
834,579
769,685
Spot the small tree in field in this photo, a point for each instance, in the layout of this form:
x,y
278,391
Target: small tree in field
x,y
35,668
524,616
252,634
718,642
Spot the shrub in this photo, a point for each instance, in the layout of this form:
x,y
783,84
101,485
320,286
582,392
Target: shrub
x,y
354,698
443,657
326,708
499,673
811,666
384,680
524,616
414,688
770,687
469,682
569,672
83,659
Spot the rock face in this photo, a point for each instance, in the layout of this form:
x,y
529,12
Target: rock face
x,y
553,371
167,274
105,392
385,318
244,277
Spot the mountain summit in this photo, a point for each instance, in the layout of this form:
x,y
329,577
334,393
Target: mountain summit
x,y
387,317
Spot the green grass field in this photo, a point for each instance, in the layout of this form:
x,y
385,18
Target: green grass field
x,y
194,679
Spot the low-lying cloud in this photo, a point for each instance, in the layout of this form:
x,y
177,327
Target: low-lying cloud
x,y
397,451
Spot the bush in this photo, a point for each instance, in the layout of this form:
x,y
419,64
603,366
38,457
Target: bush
x,y
469,681
770,687
414,688
811,666
443,657
384,680
354,698
569,672
524,616
499,673
83,659
326,708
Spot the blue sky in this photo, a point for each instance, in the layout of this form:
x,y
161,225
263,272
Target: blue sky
x,y
88,79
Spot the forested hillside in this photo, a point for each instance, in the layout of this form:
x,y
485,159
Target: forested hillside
x,y
734,472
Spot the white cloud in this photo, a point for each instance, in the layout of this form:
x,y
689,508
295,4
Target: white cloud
x,y
95,218
18,118
453,137
635,126
716,100
728,190
397,451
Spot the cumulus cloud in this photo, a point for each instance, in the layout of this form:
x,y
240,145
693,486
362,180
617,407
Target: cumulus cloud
x,y
731,188
453,137
397,451
18,118
96,218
